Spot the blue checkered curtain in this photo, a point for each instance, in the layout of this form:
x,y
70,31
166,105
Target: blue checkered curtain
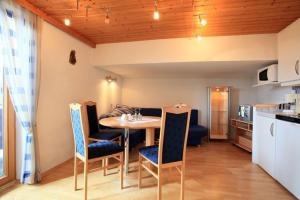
x,y
18,52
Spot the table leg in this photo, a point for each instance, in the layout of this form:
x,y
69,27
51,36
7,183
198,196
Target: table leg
x,y
126,145
150,136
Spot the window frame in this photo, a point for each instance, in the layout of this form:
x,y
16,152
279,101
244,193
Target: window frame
x,y
9,135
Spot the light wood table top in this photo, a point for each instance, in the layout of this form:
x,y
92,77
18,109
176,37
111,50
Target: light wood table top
x,y
146,122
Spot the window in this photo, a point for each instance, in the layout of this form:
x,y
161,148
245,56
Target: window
x,y
7,132
1,123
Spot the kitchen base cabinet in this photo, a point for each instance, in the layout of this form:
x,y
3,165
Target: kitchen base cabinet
x,y
265,136
287,156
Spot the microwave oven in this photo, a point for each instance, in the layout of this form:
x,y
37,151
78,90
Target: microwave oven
x,y
267,74
245,112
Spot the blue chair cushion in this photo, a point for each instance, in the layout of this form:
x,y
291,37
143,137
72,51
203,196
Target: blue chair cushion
x,y
107,134
150,152
92,119
99,149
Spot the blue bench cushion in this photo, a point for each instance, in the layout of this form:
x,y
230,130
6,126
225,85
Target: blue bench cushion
x,y
107,134
136,136
194,117
99,149
202,131
150,152
155,112
196,133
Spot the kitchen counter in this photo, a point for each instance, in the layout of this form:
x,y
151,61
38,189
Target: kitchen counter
x,y
288,117
271,111
266,110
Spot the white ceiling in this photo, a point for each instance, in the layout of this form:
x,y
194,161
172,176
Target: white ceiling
x,y
211,69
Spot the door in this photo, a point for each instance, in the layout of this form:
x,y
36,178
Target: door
x,y
266,143
287,170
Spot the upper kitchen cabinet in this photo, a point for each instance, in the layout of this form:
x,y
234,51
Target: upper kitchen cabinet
x,y
289,53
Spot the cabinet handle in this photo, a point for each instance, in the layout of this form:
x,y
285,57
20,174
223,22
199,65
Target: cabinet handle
x,y
297,67
272,129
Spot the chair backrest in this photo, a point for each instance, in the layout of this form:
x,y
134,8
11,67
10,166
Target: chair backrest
x,y
92,117
173,133
78,127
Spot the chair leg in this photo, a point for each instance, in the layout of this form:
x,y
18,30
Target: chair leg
x,y
121,169
140,172
104,166
107,164
182,182
85,179
159,184
169,175
75,173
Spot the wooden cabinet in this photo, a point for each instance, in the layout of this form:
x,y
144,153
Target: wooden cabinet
x,y
289,53
265,143
287,160
243,134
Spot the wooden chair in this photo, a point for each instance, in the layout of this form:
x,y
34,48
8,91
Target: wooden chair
x,y
172,146
95,134
93,152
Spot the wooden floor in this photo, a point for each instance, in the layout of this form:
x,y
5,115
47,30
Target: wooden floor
x,y
214,171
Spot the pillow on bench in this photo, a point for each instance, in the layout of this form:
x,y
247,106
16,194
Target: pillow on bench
x,y
118,111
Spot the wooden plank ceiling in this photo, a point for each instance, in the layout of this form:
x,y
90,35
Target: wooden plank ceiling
x,y
132,20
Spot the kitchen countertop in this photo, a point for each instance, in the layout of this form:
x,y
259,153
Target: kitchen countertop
x,y
294,118
271,111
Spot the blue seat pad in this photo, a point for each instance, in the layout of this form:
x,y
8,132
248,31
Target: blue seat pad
x,y
150,152
99,149
107,134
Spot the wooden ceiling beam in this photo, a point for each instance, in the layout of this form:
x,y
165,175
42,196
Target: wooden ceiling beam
x,y
58,24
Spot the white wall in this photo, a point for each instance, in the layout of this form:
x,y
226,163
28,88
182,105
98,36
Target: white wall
x,y
222,48
61,84
272,94
162,92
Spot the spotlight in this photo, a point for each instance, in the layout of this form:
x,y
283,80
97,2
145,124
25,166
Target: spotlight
x,y
67,22
202,21
107,18
110,79
156,13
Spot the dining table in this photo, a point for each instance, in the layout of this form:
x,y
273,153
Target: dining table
x,y
149,123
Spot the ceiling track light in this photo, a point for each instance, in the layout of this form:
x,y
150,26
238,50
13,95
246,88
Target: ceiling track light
x,y
202,20
67,22
87,12
110,79
156,13
107,18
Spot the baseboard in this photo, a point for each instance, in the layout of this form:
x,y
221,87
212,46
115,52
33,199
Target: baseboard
x,y
47,172
8,185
